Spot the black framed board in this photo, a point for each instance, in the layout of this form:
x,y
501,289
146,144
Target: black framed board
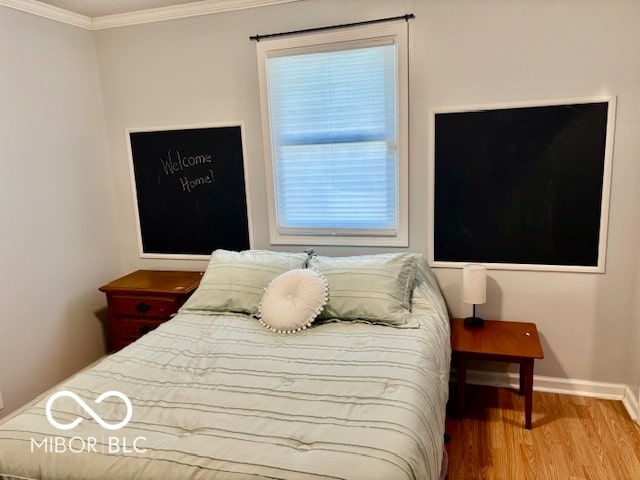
x,y
522,187
189,189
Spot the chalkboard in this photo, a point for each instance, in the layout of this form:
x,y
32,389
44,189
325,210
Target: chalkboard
x,y
190,192
522,186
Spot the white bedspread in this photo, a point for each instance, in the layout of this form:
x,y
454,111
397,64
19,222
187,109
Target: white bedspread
x,y
221,397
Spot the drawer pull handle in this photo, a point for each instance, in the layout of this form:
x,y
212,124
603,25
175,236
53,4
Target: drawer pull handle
x,y
145,329
143,307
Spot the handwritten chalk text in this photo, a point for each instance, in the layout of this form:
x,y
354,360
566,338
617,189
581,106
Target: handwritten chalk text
x,y
175,162
188,185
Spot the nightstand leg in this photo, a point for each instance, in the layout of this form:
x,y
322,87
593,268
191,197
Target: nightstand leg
x,y
462,379
527,366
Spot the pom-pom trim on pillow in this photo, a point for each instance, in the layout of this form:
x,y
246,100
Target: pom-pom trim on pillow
x,y
293,300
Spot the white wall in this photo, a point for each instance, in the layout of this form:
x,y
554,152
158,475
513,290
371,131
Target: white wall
x,y
58,235
497,51
203,70
633,363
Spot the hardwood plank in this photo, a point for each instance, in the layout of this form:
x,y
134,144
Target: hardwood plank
x,y
575,438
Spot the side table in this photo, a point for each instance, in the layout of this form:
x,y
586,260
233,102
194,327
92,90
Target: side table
x,y
500,341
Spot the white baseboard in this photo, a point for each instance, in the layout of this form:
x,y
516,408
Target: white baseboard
x,y
583,388
630,402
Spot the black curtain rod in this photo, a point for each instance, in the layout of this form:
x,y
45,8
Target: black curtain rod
x,y
406,17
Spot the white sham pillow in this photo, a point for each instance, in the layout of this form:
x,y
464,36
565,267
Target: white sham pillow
x,y
293,300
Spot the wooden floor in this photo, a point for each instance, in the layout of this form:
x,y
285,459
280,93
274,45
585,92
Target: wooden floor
x,y
572,438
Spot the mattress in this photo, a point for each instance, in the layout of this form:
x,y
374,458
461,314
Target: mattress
x,y
218,396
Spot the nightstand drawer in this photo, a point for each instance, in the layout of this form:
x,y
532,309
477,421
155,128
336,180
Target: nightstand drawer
x,y
143,306
131,329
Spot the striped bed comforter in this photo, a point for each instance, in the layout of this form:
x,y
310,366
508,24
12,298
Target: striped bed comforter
x,y
221,397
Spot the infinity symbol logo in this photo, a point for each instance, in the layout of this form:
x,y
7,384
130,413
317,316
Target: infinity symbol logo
x,y
87,408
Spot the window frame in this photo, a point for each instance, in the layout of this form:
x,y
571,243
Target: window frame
x,y
320,41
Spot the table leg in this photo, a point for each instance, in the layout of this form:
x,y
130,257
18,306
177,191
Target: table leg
x,y
462,379
526,368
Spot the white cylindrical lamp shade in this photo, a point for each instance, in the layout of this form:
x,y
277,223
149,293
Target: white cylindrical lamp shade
x,y
474,284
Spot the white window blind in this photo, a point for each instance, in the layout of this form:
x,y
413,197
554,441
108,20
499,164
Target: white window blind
x,y
333,131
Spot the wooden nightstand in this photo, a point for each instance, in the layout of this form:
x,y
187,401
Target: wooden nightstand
x,y
144,299
502,342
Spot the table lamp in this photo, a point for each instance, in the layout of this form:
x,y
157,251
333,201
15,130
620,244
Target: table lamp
x,y
474,290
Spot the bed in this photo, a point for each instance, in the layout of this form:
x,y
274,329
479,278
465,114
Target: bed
x,y
357,393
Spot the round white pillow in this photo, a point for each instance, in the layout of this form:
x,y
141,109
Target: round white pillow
x,y
293,300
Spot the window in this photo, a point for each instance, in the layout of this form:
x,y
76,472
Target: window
x,y
334,109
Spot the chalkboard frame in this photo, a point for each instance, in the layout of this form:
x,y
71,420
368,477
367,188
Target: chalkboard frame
x,y
176,128
603,211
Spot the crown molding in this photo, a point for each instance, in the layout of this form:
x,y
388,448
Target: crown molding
x,y
50,12
204,7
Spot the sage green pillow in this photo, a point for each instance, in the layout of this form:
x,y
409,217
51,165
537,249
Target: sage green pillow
x,y
235,281
373,288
